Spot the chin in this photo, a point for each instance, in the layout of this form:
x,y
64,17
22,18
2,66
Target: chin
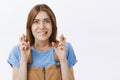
x,y
43,39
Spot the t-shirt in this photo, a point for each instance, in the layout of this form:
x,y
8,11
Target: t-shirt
x,y
41,59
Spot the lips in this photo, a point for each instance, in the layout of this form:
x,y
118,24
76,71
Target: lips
x,y
42,32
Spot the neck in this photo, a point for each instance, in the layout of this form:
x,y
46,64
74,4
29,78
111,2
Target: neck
x,y
42,46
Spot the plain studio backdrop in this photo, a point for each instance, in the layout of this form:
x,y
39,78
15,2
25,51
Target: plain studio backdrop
x,y
91,26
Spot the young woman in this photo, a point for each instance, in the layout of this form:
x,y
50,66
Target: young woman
x,y
40,56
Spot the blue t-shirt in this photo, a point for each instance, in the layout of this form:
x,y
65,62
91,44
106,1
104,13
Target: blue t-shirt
x,y
41,59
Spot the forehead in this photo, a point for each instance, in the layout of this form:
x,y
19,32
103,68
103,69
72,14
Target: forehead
x,y
42,15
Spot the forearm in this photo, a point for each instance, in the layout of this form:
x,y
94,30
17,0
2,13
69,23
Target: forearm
x,y
66,75
22,73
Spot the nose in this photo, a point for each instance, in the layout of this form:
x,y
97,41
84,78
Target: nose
x,y
41,25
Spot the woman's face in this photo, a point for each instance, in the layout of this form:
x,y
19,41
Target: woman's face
x,y
42,26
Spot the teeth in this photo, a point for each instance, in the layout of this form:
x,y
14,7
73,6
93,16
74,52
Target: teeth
x,y
42,32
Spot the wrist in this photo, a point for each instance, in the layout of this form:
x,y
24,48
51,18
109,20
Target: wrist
x,y
63,60
23,60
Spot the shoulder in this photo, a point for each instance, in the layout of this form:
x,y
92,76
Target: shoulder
x,y
69,48
68,45
15,47
15,50
70,54
14,56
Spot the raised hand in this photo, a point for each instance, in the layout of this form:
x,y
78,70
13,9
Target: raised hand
x,y
60,48
24,48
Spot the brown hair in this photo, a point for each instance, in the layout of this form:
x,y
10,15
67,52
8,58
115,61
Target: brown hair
x,y
33,13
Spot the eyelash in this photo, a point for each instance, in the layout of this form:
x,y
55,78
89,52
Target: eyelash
x,y
35,21
47,21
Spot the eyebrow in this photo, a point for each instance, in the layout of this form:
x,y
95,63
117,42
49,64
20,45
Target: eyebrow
x,y
43,19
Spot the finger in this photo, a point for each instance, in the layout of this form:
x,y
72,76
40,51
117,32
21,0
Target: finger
x,y
61,37
27,45
23,38
61,47
60,44
23,43
54,45
23,47
64,40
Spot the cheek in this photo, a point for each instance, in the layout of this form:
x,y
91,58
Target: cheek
x,y
33,29
50,30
